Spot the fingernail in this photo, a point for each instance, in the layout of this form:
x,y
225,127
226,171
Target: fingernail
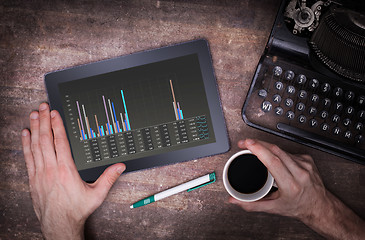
x,y
249,142
120,170
53,114
43,107
241,143
24,133
34,115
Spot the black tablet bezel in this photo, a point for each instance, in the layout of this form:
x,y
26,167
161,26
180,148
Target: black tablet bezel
x,y
199,47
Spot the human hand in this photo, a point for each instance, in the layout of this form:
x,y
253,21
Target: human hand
x,y
61,199
301,194
297,179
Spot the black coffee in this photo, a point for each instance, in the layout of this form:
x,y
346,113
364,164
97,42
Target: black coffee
x,y
247,174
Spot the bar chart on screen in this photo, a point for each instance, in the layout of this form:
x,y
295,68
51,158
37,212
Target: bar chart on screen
x,y
121,120
114,124
115,120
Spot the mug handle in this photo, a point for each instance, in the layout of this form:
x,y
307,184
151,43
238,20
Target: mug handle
x,y
274,187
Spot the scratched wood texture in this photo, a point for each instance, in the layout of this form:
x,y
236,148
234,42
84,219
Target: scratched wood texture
x,y
37,37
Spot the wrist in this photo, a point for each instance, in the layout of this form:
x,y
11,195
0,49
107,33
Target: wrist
x,y
322,212
333,219
63,230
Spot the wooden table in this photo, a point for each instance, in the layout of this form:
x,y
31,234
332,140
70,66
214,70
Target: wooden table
x,y
37,37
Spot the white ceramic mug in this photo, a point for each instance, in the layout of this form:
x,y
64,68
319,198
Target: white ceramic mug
x,y
250,197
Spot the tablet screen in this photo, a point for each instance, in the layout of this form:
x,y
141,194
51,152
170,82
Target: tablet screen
x,y
136,112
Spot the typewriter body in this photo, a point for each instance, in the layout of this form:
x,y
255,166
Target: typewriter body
x,y
309,85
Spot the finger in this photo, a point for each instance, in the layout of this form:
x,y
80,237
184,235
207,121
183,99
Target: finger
x,y
28,156
309,168
61,143
285,157
107,179
273,163
306,161
289,160
46,136
274,149
263,205
35,146
241,144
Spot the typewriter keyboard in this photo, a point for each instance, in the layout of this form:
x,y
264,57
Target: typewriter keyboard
x,y
305,106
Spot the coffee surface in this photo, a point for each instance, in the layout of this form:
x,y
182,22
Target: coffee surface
x,y
247,174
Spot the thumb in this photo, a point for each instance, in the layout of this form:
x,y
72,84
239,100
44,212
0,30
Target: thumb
x,y
108,178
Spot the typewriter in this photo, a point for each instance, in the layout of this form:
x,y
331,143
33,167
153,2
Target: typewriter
x,y
309,85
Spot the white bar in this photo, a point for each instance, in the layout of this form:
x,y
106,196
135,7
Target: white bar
x,y
123,125
86,122
111,113
175,109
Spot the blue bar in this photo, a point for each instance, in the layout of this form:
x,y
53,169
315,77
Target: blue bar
x,y
102,130
125,109
129,126
115,117
118,128
82,132
92,133
178,113
111,129
126,125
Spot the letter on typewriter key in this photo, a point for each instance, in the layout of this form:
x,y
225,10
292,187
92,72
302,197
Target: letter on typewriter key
x,y
359,126
302,94
276,98
348,134
336,131
313,122
279,86
325,127
279,111
302,119
290,115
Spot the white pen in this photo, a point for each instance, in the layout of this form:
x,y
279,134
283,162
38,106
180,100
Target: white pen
x,y
189,186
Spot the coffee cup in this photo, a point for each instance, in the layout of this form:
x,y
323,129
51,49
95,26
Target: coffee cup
x,y
246,178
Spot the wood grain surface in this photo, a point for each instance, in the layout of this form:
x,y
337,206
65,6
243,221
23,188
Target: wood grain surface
x,y
37,37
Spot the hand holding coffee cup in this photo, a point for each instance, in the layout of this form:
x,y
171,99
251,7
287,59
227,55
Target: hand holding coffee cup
x,y
246,178
301,194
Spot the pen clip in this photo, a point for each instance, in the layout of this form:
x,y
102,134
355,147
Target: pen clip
x,y
212,179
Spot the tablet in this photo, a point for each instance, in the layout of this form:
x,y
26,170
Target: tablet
x,y
146,109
